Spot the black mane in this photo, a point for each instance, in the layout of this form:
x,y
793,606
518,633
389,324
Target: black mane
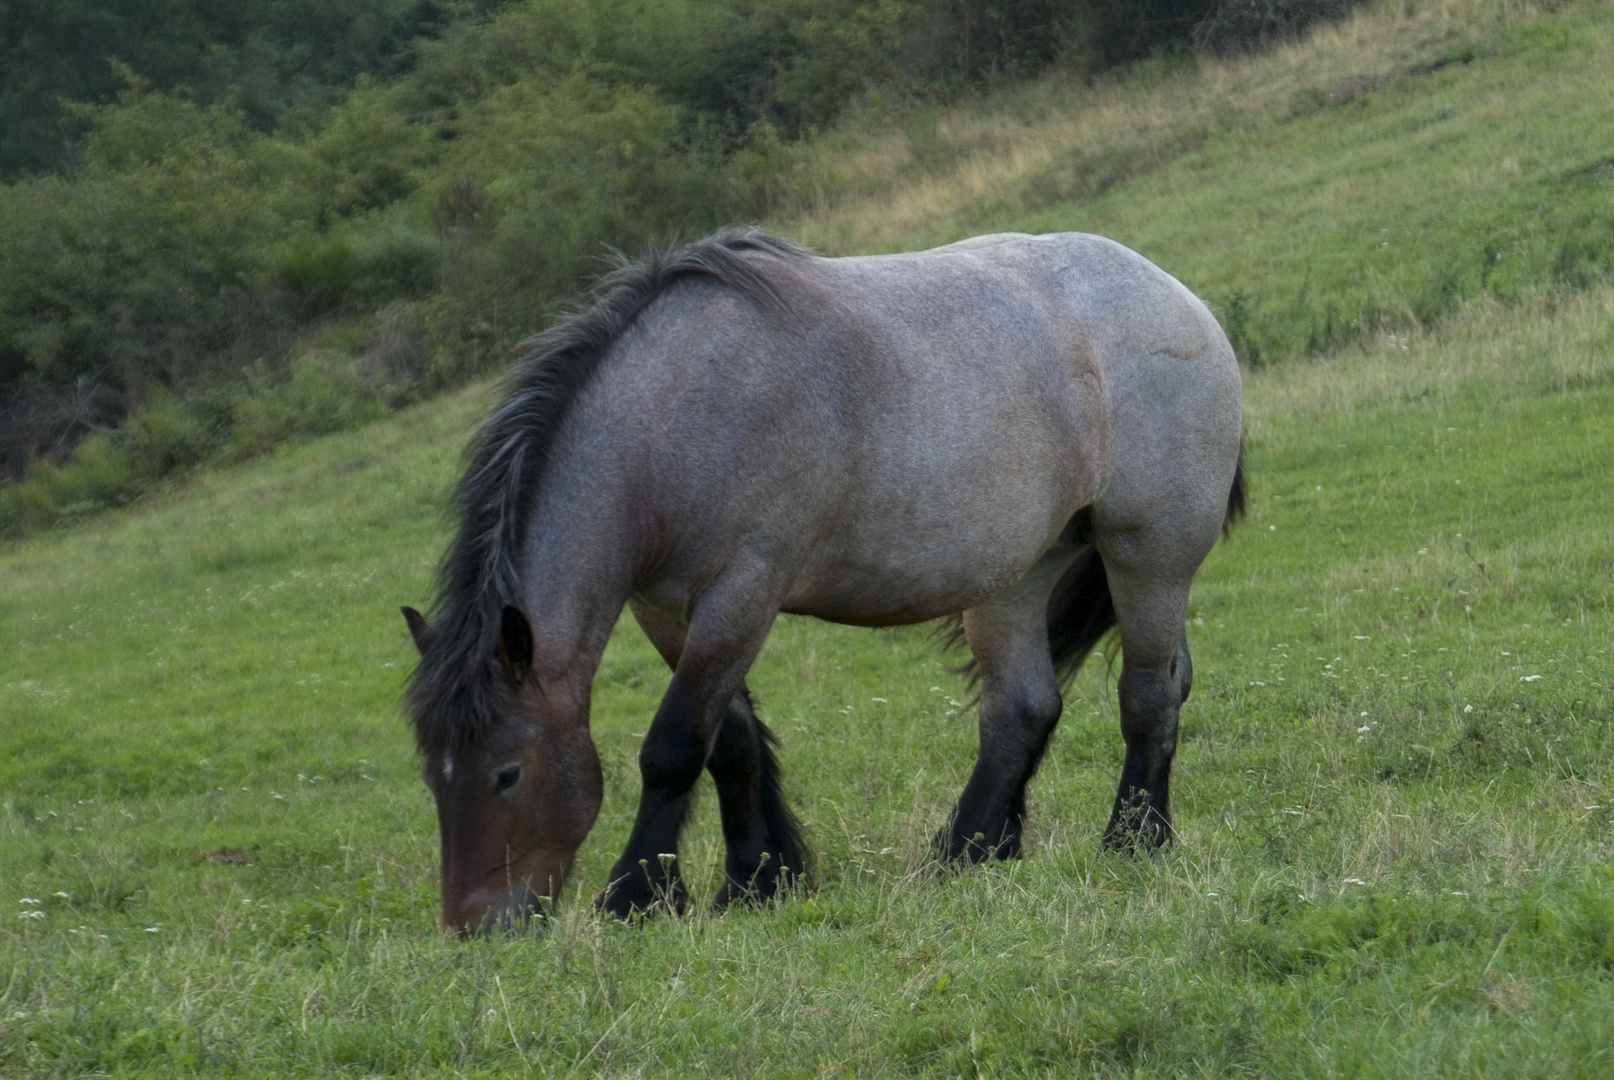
x,y
449,696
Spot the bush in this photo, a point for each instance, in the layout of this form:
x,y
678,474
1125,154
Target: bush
x,y
110,468
164,437
317,271
133,270
564,169
322,394
100,474
394,263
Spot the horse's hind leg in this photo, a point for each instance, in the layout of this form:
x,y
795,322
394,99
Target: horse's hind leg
x,y
1156,674
1020,705
761,835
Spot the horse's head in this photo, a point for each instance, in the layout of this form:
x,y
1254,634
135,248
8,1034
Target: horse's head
x,y
516,800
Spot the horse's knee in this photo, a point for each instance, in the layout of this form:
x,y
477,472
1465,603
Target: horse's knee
x,y
672,761
1015,728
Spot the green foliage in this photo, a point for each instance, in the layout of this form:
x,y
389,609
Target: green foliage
x,y
322,394
318,270
570,164
394,262
137,267
191,243
272,55
160,438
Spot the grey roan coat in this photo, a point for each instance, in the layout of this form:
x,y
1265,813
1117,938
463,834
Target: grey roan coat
x,y
1039,435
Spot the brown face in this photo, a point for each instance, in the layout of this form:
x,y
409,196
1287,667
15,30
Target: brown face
x,y
514,806
512,814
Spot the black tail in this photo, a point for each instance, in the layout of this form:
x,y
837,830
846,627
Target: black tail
x,y
1080,613
783,829
1237,496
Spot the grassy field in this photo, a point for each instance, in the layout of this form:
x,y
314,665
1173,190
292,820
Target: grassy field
x,y
1396,850
1394,789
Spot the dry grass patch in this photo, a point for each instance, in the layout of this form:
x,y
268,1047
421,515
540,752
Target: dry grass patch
x,y
873,186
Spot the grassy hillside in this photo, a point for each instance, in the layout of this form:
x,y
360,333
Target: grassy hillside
x,y
1372,177
195,289
1394,793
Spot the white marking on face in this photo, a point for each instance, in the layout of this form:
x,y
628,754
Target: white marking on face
x,y
448,767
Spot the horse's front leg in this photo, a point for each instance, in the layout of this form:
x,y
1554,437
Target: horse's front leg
x,y
763,839
725,633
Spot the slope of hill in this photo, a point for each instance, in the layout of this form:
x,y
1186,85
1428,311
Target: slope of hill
x,y
1396,850
1371,177
237,288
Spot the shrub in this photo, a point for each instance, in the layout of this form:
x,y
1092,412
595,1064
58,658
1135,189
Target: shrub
x,y
392,263
132,270
317,271
322,394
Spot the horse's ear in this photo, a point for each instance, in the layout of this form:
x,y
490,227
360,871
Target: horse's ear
x,y
515,643
417,629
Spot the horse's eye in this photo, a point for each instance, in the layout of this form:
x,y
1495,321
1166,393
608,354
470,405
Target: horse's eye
x,y
506,778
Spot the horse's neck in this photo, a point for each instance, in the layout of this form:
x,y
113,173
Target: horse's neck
x,y
577,571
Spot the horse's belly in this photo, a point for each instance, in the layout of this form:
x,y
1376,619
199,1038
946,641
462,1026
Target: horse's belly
x,y
903,567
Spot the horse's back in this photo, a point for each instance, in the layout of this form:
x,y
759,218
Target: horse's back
x,y
1124,303
1050,336
912,431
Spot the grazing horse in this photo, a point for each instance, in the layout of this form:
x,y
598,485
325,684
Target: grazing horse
x,y
1037,435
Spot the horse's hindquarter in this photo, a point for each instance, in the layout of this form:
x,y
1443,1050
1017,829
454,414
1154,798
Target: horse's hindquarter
x,y
1174,395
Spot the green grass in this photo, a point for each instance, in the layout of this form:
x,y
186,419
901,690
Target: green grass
x,y
200,747
1373,177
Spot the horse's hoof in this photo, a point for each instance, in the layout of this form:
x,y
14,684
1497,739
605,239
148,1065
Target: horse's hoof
x,y
626,899
763,886
1147,841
